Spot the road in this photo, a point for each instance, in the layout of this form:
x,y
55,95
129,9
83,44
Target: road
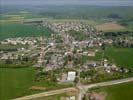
x,y
82,89
49,93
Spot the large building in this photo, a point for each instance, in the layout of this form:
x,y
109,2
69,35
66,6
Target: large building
x,y
71,76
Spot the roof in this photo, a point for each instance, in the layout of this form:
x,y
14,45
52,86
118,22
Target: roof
x,y
71,76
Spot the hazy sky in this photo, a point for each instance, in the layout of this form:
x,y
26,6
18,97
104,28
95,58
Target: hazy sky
x,y
68,2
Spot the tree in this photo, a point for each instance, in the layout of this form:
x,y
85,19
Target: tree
x,y
8,61
76,80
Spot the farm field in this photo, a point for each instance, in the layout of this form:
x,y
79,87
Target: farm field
x,y
11,30
15,16
121,56
109,27
118,92
15,82
18,82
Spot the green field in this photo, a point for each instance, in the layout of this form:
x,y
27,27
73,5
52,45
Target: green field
x,y
11,30
118,92
123,57
15,82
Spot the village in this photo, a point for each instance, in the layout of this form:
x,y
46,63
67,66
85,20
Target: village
x,y
61,49
74,56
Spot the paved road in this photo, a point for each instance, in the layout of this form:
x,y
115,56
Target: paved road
x,y
82,89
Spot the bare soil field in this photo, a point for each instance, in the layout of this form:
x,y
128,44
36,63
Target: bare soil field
x,y
109,27
37,88
99,96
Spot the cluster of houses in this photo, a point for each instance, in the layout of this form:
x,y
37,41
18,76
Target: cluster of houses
x,y
15,48
62,27
40,47
112,67
23,41
9,55
49,56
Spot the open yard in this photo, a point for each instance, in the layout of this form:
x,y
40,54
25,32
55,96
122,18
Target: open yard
x,y
123,57
109,27
118,92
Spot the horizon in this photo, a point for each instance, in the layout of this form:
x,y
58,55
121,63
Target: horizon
x,y
69,2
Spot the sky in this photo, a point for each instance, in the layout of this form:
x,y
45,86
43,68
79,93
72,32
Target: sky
x,y
68,2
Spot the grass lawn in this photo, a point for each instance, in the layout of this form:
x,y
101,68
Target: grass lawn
x,y
119,92
11,30
123,57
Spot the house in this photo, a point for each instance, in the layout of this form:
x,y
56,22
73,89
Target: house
x,y
108,70
92,63
63,78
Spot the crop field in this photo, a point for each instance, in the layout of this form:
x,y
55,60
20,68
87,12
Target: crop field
x,y
123,57
12,30
118,92
109,27
18,14
17,82
129,25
